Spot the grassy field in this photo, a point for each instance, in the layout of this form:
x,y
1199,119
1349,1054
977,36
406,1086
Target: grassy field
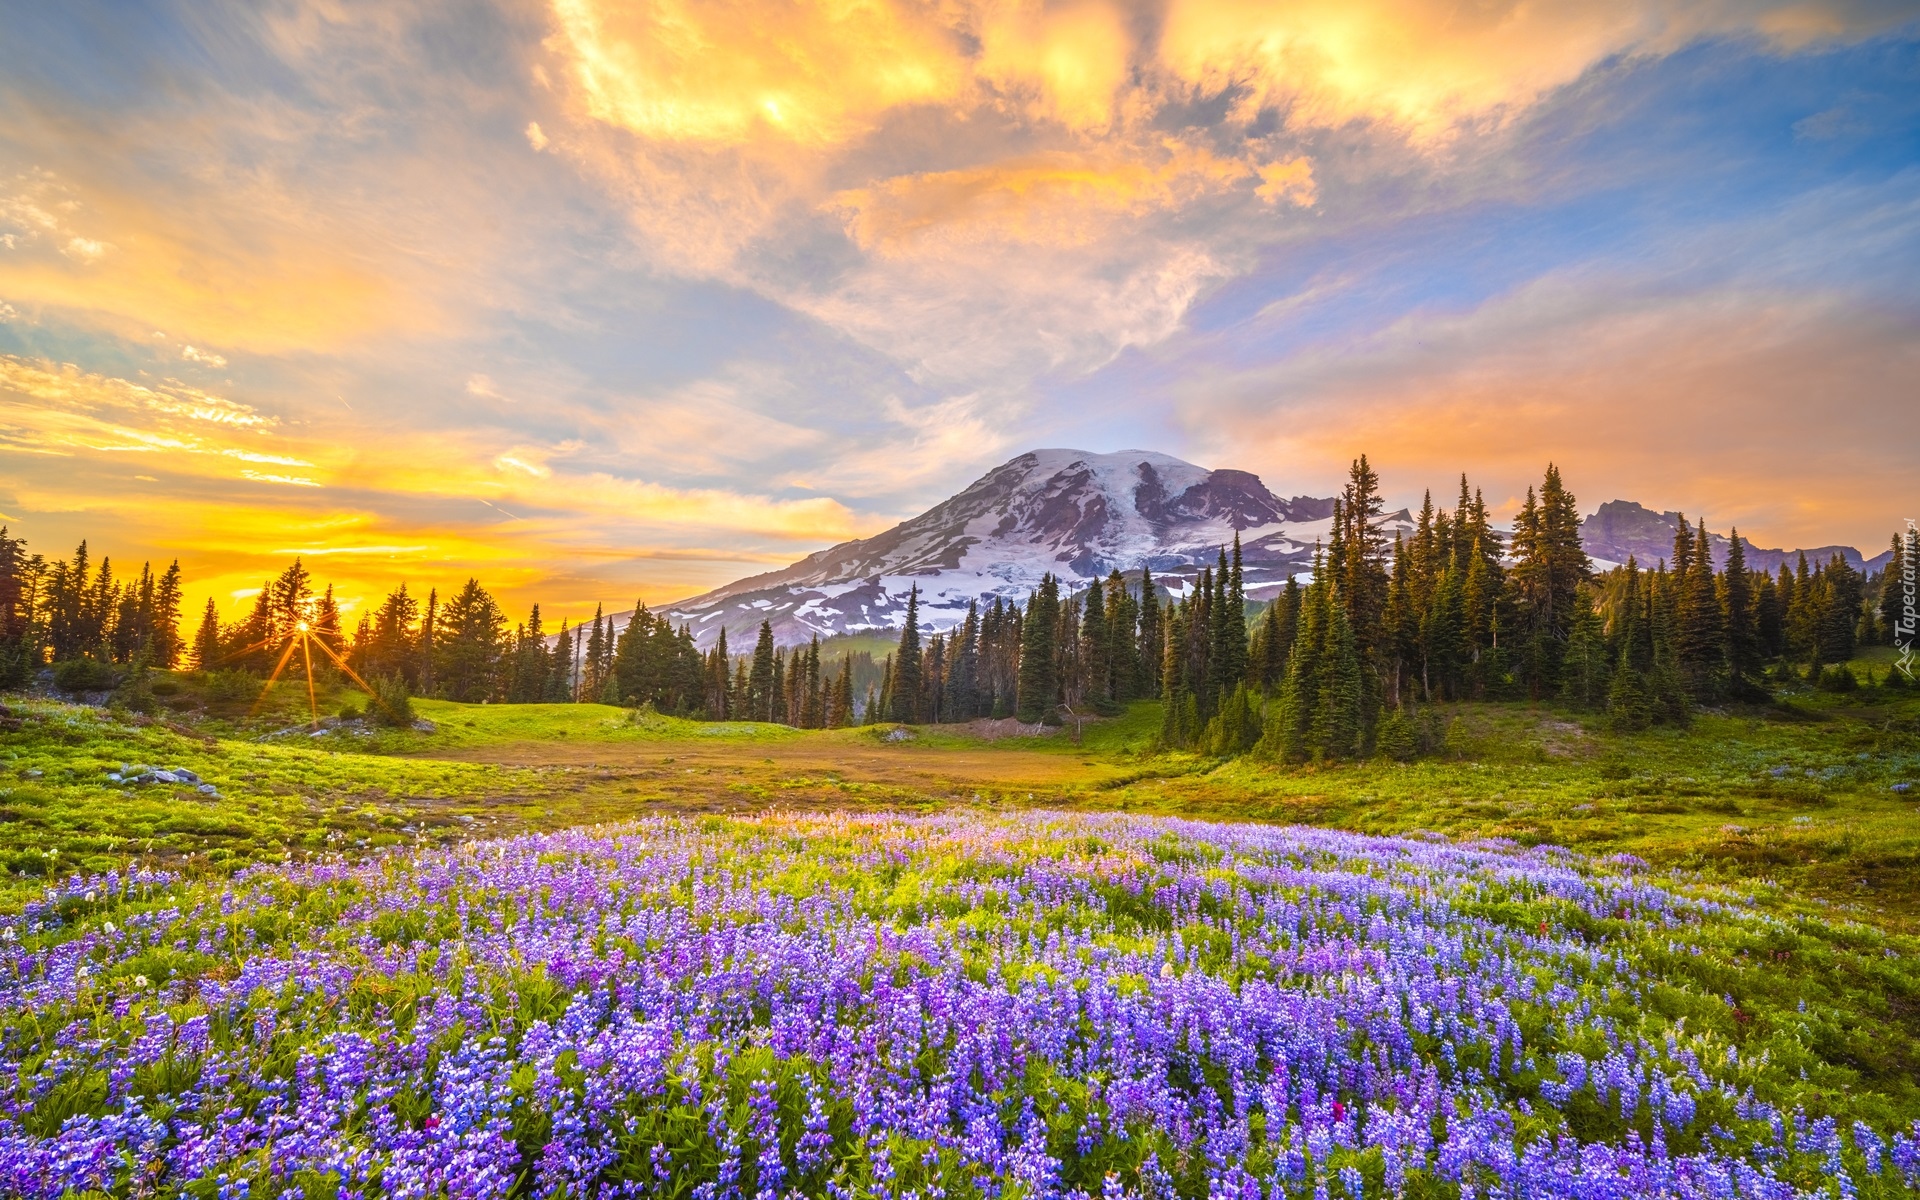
x,y
1791,818
1797,800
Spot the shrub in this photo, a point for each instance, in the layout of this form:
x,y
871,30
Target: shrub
x,y
1838,679
85,675
392,704
231,686
16,667
1395,738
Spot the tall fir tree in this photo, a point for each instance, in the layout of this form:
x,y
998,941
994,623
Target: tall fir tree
x,y
904,694
206,639
1585,668
1360,577
760,685
1151,649
468,655
1175,696
1700,642
1740,620
963,688
1096,648
1038,682
427,642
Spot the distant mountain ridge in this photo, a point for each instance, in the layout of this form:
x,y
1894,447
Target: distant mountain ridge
x,y
1079,516
1621,527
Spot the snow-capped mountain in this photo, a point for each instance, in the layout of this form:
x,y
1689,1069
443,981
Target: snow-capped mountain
x,y
1079,516
1074,514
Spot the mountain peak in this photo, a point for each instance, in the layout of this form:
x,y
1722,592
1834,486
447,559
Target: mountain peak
x,y
1072,513
1078,515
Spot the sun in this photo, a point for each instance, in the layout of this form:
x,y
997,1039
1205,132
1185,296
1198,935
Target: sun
x,y
303,638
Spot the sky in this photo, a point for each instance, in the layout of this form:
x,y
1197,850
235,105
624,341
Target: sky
x,y
597,299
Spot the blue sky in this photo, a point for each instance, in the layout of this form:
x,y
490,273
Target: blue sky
x,y
598,299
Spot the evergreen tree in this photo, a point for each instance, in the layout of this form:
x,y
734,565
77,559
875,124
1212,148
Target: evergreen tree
x,y
1236,728
1893,590
1840,616
1288,736
1665,685
1038,682
1174,729
760,685
1357,558
527,664
963,687
1738,614
1127,680
1227,632
1151,649
1806,614
255,642
1629,705
1444,645
1584,676
717,685
1769,616
559,668
933,680
467,657
429,642
206,639
1337,730
904,694
1400,633
388,648
1700,641
164,620
777,704
1096,648
1195,650
591,671
292,599
1068,669
1550,564
16,608
325,623
840,712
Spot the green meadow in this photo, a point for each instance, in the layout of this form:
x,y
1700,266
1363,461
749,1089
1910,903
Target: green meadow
x,y
1799,801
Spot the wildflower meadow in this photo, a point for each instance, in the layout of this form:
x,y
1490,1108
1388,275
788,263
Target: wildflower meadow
x,y
924,1008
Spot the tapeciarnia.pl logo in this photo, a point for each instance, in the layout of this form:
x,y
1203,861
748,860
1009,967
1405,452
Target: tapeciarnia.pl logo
x,y
1904,626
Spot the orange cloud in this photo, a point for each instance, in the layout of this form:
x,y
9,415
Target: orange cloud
x,y
1056,199
814,73
111,256
1290,180
1068,64
1428,67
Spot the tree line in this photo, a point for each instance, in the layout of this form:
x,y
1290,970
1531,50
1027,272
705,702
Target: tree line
x,y
1342,665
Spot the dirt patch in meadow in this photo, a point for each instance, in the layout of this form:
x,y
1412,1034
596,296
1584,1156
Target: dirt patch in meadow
x,y
801,767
